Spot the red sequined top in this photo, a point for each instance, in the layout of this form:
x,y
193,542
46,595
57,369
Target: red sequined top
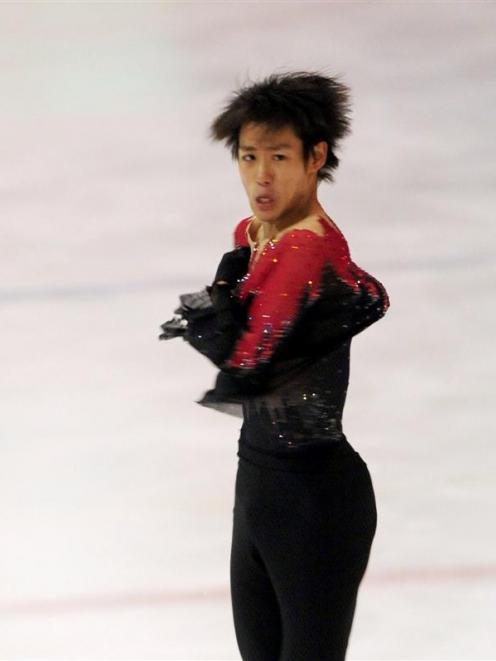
x,y
285,269
302,292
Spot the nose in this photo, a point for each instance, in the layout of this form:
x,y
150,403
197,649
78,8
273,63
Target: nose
x,y
264,171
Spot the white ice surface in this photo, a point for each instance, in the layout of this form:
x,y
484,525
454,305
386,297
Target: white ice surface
x,y
116,489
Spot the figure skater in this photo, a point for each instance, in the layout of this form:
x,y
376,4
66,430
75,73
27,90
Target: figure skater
x,y
277,321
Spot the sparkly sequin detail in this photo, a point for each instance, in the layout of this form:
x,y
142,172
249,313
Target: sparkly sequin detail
x,y
283,281
285,278
287,370
305,413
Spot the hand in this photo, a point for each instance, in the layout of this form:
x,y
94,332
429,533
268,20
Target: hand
x,y
233,266
175,327
193,306
214,331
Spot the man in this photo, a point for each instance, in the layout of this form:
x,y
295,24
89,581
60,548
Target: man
x,y
279,319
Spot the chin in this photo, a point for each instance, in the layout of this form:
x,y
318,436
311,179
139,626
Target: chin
x,y
266,216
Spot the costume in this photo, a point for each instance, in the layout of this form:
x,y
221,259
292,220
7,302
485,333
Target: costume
x,y
304,517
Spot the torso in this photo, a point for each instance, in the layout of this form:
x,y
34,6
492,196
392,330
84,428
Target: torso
x,y
303,410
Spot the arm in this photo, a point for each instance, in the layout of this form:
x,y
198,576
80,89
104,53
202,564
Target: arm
x,y
210,320
214,334
292,278
337,300
346,307
290,281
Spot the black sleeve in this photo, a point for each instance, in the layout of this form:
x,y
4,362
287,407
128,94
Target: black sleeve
x,y
213,333
340,313
212,319
216,320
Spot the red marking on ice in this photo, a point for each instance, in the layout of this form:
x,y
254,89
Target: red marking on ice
x,y
67,605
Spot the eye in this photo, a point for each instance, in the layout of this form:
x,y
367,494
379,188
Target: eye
x,y
250,156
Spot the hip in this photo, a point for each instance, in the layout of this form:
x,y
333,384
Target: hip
x,y
320,458
336,502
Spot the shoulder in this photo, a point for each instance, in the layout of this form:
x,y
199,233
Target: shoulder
x,y
312,223
303,250
316,234
240,238
305,237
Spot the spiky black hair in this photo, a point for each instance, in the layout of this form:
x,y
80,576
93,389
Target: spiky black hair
x,y
316,106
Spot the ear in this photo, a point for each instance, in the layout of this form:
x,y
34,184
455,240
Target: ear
x,y
318,155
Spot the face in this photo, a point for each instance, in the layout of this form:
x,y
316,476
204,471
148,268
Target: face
x,y
281,188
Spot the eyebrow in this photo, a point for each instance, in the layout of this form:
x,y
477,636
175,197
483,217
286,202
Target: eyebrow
x,y
282,145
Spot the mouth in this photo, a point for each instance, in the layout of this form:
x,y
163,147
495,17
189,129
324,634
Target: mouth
x,y
264,202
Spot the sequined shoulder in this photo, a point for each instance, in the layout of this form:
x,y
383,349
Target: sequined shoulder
x,y
302,235
302,241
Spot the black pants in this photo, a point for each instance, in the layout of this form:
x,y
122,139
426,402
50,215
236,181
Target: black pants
x,y
302,535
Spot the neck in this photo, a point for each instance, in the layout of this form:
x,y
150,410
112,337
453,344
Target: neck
x,y
272,228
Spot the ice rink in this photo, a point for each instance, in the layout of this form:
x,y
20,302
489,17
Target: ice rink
x,y
116,488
